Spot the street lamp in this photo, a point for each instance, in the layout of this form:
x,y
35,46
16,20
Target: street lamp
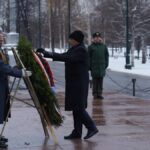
x,y
69,16
128,65
39,24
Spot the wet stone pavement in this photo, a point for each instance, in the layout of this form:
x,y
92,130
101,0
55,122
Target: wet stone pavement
x,y
123,123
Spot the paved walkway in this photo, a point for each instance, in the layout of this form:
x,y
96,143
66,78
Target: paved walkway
x,y
123,123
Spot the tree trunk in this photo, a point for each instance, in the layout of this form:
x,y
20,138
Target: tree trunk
x,y
143,51
132,53
89,29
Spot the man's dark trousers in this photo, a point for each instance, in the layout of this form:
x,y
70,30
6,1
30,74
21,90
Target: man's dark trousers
x,y
97,86
81,117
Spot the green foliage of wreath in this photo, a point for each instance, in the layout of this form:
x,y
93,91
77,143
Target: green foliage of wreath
x,y
45,95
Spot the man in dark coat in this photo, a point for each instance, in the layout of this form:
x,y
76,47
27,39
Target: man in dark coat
x,y
98,59
77,79
6,70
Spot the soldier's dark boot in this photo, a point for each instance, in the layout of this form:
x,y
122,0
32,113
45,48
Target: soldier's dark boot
x,y
3,139
100,97
3,145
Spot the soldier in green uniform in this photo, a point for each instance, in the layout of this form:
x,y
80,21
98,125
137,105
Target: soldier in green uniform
x,y
98,62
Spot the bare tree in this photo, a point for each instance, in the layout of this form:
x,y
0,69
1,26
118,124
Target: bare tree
x,y
105,16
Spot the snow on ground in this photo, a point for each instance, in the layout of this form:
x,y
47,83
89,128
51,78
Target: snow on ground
x,y
117,63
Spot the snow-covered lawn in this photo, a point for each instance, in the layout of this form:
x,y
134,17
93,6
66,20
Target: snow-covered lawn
x,y
117,63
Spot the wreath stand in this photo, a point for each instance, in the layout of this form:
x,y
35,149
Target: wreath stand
x,y
47,127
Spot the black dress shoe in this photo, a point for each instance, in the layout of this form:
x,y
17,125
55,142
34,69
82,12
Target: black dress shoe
x,y
95,97
100,97
90,133
3,139
3,145
72,136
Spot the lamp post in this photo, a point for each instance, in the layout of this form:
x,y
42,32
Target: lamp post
x,y
69,16
128,65
39,24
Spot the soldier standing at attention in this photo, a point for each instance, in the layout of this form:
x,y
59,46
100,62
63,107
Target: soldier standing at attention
x,y
98,62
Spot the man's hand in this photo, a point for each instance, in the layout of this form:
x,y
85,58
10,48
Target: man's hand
x,y
26,73
40,50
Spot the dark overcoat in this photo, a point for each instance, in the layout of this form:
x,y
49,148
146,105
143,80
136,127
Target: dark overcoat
x,y
5,70
76,76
